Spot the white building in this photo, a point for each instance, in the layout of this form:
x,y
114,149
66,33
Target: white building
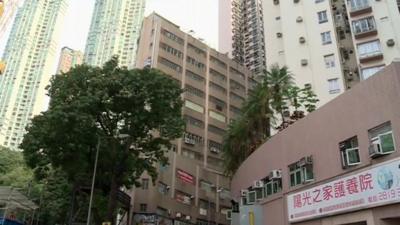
x,y
114,30
241,32
30,56
331,45
7,12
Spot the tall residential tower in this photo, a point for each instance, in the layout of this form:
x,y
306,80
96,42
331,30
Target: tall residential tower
x,y
241,32
68,59
331,45
30,57
7,12
114,30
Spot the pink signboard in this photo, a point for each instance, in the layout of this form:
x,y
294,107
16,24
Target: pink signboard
x,y
185,177
377,186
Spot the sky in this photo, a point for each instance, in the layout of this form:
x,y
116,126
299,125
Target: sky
x,y
198,15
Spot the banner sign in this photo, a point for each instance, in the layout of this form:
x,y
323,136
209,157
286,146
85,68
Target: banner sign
x,y
185,177
377,186
182,198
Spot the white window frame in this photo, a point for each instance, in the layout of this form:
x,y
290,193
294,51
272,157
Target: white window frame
x,y
346,152
377,140
330,61
358,4
364,25
248,197
374,70
326,38
333,89
322,16
374,49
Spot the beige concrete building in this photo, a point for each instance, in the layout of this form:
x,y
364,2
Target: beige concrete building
x,y
68,59
192,188
331,45
340,165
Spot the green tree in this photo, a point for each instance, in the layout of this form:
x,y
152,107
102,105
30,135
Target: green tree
x,y
276,94
91,105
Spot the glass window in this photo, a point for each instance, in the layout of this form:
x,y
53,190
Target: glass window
x,y
145,183
326,38
364,25
368,72
322,17
369,49
218,116
350,152
193,106
358,4
329,61
382,140
334,86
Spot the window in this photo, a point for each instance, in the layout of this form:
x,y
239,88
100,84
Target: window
x,y
381,140
349,152
192,139
171,50
301,172
145,184
192,154
193,121
172,36
214,147
272,186
358,4
318,1
206,186
217,116
170,64
143,207
219,76
326,38
334,86
364,25
162,188
216,130
193,106
368,72
194,91
195,63
329,61
217,87
194,76
369,49
322,17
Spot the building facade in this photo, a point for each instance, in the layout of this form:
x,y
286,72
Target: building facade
x,y
68,59
114,30
241,33
192,189
331,45
30,58
337,166
8,9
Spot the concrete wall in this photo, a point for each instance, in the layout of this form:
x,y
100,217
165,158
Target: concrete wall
x,y
365,106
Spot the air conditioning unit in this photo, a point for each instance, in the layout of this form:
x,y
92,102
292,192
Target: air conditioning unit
x,y
258,184
309,160
275,174
244,192
214,150
189,141
375,150
296,1
279,35
188,218
178,215
304,62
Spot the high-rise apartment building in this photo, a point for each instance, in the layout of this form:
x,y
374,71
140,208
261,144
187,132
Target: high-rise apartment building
x,y
192,189
331,45
301,35
114,30
30,57
241,32
68,59
7,12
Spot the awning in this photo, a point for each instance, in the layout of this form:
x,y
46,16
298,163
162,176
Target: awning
x,y
11,198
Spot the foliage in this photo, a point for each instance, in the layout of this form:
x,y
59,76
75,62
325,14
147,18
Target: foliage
x,y
276,94
93,106
51,193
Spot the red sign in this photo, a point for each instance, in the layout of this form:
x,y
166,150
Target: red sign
x,y
185,177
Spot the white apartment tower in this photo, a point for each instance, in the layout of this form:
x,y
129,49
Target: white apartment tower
x,y
241,32
30,56
114,30
331,45
300,34
7,12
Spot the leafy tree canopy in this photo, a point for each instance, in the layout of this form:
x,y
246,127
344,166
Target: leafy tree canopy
x,y
132,115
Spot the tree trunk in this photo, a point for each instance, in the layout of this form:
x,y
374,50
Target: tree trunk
x,y
112,201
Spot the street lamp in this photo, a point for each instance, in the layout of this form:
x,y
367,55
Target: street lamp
x,y
120,136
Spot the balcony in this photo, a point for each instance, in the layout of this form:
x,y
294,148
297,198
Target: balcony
x,y
364,34
359,7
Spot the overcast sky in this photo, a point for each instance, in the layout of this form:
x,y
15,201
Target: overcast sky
x,y
198,15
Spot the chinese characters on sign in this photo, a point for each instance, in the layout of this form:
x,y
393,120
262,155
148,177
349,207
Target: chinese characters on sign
x,y
377,186
185,177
